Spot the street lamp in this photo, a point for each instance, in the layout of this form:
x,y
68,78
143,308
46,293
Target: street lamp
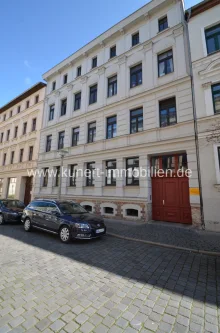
x,y
62,154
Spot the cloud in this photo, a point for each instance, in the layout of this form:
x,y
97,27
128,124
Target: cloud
x,y
27,80
27,64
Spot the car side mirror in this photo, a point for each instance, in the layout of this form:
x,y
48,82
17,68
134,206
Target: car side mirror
x,y
55,213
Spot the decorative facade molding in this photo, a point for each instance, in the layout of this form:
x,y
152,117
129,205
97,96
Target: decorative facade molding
x,y
178,32
207,85
84,79
122,60
148,46
213,68
101,70
57,94
69,87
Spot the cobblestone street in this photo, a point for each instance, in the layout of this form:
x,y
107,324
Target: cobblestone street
x,y
105,285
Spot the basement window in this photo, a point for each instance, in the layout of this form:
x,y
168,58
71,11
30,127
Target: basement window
x,y
88,208
109,210
132,212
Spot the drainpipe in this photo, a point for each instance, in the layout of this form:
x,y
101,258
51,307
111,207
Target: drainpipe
x,y
195,123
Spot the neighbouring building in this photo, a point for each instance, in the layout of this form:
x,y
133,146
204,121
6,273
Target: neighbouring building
x,y
204,35
20,124
124,101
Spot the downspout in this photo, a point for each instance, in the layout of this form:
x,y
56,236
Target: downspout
x,y
195,124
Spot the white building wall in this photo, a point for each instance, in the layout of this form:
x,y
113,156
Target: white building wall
x,y
206,72
153,139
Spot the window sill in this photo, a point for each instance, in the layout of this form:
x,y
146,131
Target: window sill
x,y
73,186
160,32
209,54
132,186
88,186
138,85
159,77
109,186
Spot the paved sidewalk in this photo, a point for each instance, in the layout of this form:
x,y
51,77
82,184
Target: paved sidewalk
x,y
108,285
166,233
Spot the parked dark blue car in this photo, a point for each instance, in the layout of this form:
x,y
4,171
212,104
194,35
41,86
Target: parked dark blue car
x,y
11,210
68,219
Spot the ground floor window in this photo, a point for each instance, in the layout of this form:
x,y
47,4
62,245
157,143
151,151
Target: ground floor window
x,y
11,187
1,186
109,210
88,208
132,212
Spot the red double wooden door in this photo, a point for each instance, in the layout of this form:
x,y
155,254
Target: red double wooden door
x,y
170,199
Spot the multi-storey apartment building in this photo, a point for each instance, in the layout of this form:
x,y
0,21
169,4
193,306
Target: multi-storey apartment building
x,y
204,35
20,124
124,101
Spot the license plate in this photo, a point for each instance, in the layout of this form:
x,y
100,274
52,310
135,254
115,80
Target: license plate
x,y
98,231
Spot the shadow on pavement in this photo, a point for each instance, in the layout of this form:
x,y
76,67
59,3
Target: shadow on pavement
x,y
194,276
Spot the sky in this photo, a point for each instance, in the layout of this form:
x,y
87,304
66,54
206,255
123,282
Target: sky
x,y
36,35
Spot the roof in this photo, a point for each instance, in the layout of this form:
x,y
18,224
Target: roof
x,y
21,97
201,7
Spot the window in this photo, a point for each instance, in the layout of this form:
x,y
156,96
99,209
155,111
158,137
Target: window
x,y
63,107
94,62
165,63
75,136
93,94
48,143
112,86
1,186
109,210
219,156
163,23
4,117
88,208
11,113
65,77
24,128
19,109
11,188
111,127
216,97
27,104
16,132
135,39
110,173
12,157
36,99
212,36
79,71
51,112
31,150
57,176
21,155
135,76
53,85
34,122
8,134
61,140
132,168
136,120
91,132
73,174
90,174
77,102
45,177
2,136
132,212
4,159
113,51
168,112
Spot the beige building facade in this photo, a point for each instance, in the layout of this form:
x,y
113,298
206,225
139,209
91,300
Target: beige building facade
x,y
20,124
204,35
124,101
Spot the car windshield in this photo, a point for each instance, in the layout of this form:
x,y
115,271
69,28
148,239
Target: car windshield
x,y
71,208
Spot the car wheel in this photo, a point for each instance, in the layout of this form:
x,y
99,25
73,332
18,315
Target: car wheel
x,y
65,234
27,225
2,221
